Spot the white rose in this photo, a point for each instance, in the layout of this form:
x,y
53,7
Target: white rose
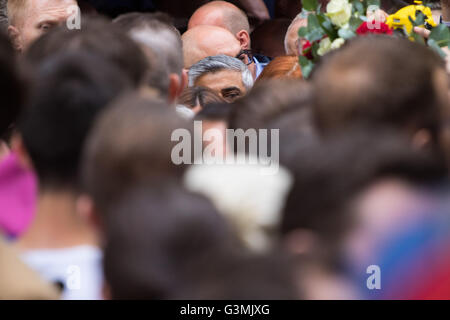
x,y
339,12
324,46
337,43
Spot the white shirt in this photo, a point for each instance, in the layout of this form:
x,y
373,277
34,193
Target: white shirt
x,y
259,66
78,269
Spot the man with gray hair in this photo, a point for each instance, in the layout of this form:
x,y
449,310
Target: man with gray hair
x,y
154,32
228,77
292,40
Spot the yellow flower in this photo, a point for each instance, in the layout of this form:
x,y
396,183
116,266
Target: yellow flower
x,y
324,46
339,12
337,43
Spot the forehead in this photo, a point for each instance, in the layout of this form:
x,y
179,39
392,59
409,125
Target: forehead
x,y
221,79
50,9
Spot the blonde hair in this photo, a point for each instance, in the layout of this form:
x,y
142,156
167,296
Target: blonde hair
x,y
15,9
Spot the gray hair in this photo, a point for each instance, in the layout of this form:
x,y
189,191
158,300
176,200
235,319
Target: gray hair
x,y
218,63
161,37
161,42
164,41
4,22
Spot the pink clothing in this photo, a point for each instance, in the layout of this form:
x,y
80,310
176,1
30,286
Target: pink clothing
x,y
18,193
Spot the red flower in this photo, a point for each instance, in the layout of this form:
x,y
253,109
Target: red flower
x,y
373,27
306,47
306,50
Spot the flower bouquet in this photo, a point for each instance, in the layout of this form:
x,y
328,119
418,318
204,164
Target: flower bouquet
x,y
345,19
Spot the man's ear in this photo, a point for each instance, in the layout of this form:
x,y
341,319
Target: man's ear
x,y
16,38
244,39
18,146
87,211
175,87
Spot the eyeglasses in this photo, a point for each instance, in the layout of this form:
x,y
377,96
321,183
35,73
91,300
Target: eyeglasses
x,y
243,54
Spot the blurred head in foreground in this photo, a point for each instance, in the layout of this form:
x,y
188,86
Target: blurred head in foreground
x,y
349,192
163,242
98,36
130,144
383,81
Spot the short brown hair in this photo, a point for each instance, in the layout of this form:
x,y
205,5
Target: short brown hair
x,y
278,104
130,144
378,80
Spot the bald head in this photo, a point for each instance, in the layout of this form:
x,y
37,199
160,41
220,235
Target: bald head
x,y
291,40
29,19
221,14
204,41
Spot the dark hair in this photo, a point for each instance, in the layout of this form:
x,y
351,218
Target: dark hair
x,y
69,91
131,143
268,37
268,101
378,80
215,111
328,175
198,96
100,37
233,275
12,87
153,232
278,104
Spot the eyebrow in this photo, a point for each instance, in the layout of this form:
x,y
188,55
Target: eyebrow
x,y
53,17
48,21
230,90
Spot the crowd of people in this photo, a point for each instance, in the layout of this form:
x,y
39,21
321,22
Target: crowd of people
x,y
148,156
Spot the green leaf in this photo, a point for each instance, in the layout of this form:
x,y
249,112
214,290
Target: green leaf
x,y
327,26
306,66
318,9
315,34
358,7
346,33
355,23
309,5
302,32
417,38
433,45
441,35
313,21
420,19
315,31
314,48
